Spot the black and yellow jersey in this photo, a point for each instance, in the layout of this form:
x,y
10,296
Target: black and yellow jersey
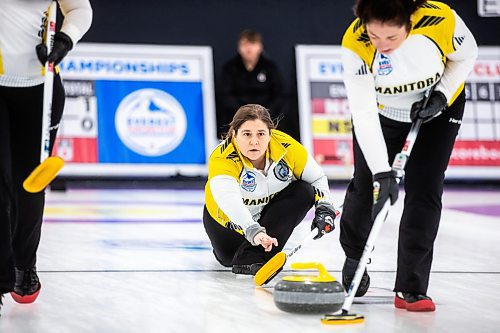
x,y
21,29
236,192
439,49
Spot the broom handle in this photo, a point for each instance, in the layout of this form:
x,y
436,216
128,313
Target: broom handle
x,y
306,240
309,237
50,31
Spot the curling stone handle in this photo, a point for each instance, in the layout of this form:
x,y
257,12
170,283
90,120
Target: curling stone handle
x,y
323,273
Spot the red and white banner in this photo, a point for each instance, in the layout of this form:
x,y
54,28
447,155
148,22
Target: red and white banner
x,y
481,153
326,126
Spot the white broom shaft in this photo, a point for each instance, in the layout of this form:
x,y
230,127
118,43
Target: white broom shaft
x,y
370,244
415,127
49,82
306,240
311,236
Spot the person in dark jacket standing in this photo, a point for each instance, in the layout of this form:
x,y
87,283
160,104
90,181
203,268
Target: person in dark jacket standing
x,y
249,78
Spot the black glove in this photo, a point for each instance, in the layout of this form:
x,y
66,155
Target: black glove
x,y
385,187
62,45
436,104
323,220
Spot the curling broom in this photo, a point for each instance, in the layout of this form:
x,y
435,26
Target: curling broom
x,y
49,166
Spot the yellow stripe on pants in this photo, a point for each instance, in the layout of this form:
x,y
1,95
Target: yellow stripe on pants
x,y
1,63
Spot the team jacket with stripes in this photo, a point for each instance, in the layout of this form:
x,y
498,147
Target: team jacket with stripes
x,y
236,192
439,49
21,29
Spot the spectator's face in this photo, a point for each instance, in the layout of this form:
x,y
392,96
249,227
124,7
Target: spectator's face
x,y
249,51
252,139
386,37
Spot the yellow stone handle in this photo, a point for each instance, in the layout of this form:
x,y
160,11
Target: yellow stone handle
x,y
323,275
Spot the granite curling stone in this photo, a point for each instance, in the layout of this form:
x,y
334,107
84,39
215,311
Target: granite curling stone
x,y
309,294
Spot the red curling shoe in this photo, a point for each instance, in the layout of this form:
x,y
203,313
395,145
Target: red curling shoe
x,y
414,302
27,287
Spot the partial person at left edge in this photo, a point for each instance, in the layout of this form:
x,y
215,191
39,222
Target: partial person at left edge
x,y
22,60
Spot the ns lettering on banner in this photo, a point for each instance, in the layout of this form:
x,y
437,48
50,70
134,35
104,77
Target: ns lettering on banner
x,y
123,66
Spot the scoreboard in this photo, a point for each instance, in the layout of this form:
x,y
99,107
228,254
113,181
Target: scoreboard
x,y
325,118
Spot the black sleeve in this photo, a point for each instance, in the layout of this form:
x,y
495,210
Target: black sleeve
x,y
227,104
227,98
278,90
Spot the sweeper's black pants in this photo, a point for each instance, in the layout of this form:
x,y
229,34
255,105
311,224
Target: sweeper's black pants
x,y
280,216
423,184
20,140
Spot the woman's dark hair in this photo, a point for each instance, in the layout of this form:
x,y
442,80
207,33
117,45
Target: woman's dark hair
x,y
396,12
249,112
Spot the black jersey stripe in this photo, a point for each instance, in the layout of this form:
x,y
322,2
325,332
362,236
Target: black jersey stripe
x,y
318,192
233,155
357,26
429,5
423,22
364,37
459,40
224,145
428,21
362,70
439,20
434,21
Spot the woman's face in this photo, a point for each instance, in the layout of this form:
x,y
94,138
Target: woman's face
x,y
252,139
386,37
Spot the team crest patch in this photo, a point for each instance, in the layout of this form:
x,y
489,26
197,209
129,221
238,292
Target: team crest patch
x,y
248,182
384,65
281,171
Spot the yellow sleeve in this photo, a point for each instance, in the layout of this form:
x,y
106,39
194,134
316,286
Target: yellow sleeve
x,y
356,39
436,21
224,160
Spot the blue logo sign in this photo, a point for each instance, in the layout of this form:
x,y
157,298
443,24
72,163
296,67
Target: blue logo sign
x,y
150,122
384,65
248,182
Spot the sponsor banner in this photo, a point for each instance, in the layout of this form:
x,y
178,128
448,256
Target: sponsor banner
x,y
326,129
482,153
138,110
